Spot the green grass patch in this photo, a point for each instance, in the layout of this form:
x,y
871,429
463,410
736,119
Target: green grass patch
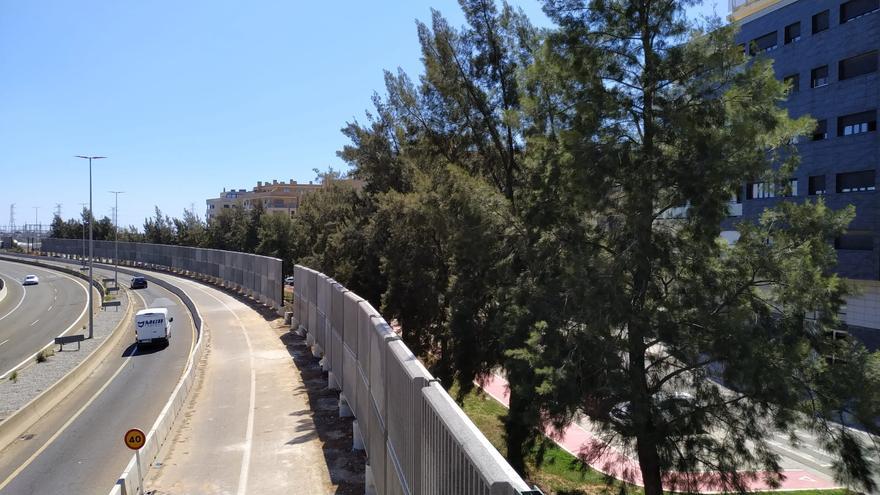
x,y
560,473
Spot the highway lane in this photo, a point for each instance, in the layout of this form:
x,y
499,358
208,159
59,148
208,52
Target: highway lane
x,y
32,316
78,447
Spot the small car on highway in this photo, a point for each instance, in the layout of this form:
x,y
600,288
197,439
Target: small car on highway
x,y
288,281
31,280
138,283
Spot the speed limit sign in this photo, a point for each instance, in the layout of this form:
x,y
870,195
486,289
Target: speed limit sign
x,y
135,439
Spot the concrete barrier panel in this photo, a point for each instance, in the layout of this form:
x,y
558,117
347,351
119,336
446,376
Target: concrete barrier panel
x,y
323,306
380,336
312,298
455,456
259,276
405,376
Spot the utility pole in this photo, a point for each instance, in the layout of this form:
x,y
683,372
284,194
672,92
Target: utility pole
x,y
116,244
91,249
12,219
36,228
83,258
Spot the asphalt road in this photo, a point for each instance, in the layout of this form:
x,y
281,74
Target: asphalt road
x,y
32,316
250,391
78,447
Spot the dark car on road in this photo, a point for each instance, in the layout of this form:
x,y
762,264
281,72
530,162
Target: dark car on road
x,y
138,283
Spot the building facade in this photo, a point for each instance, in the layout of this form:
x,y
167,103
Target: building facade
x,y
276,197
828,51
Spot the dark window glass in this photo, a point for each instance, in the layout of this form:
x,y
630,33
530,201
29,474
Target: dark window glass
x,y
817,185
820,22
794,82
857,8
857,66
856,181
819,77
857,123
857,241
792,33
763,44
821,131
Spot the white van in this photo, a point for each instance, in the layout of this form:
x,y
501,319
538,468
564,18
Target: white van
x,y
152,325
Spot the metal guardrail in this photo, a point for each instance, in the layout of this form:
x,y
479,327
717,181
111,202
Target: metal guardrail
x,y
417,439
260,276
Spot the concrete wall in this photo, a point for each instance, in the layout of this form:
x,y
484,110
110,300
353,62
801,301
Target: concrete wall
x,y
259,276
417,439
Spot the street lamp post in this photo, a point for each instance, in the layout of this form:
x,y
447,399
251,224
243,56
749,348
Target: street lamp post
x,y
91,248
116,243
83,258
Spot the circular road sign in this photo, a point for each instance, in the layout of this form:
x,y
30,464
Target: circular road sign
x,y
135,439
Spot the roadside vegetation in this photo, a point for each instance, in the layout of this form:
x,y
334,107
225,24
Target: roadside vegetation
x,y
549,202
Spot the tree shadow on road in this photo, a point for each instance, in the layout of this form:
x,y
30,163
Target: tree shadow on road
x,y
335,434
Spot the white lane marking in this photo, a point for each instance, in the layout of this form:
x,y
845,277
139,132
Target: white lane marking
x,y
5,341
52,342
23,293
50,308
249,434
67,424
800,454
35,322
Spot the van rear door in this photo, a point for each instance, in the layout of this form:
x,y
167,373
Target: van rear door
x,y
150,327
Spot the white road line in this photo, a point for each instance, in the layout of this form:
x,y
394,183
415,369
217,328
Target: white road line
x,y
5,341
51,342
50,308
35,322
24,293
249,435
800,454
67,424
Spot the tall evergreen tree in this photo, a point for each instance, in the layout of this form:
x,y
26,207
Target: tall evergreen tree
x,y
641,131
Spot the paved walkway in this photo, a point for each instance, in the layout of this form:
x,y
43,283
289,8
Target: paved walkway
x,y
578,437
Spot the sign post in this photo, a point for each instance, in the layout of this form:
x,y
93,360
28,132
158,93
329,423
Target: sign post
x,y
135,439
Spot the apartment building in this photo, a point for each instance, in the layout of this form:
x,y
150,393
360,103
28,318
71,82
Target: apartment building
x,y
828,51
276,197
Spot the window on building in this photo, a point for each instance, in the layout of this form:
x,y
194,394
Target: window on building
x,y
226,206
764,190
856,181
758,190
763,44
794,83
857,8
857,123
821,21
865,63
856,241
792,33
816,186
819,77
821,131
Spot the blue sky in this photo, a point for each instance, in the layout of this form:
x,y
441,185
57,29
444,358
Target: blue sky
x,y
186,98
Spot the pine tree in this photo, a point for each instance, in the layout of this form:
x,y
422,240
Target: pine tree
x,y
640,132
